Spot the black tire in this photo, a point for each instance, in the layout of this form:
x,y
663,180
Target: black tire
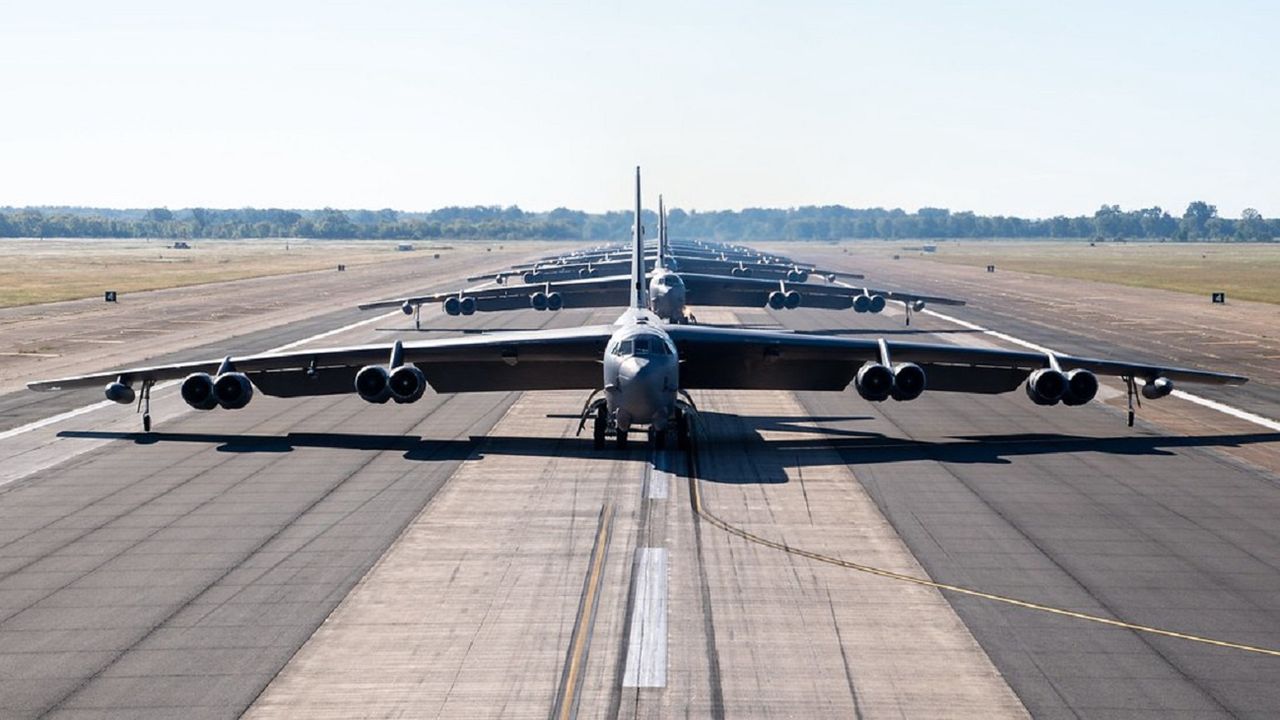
x,y
146,423
622,439
601,424
683,439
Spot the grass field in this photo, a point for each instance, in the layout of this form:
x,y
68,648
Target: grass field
x,y
37,271
1245,271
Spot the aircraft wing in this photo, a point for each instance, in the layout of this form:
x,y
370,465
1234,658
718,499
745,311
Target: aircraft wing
x,y
727,291
729,358
562,359
611,291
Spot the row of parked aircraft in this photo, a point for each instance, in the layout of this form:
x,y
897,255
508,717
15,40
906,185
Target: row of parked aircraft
x,y
678,274
639,370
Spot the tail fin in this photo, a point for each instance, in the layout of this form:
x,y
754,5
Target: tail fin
x,y
639,291
661,261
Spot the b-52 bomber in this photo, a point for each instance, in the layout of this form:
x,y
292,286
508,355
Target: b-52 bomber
x,y
638,371
671,290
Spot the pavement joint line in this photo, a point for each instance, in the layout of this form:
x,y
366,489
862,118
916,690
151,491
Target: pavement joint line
x,y
1233,411
695,500
566,706
52,419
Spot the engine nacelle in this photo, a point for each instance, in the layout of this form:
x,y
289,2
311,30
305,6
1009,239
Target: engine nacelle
x,y
736,272
529,278
908,381
373,384
555,301
453,306
118,392
197,391
876,304
1046,386
917,305
791,299
407,384
584,272
1082,386
467,306
873,382
777,300
538,301
1156,389
793,276
233,390
407,309
862,303
802,275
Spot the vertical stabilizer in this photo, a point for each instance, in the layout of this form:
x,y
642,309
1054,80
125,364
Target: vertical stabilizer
x,y
661,260
639,291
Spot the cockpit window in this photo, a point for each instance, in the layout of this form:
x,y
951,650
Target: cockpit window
x,y
642,346
622,348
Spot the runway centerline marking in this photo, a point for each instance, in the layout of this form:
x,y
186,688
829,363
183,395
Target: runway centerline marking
x,y
646,665
1233,411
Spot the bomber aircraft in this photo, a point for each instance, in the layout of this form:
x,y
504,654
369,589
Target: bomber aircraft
x,y
637,370
670,293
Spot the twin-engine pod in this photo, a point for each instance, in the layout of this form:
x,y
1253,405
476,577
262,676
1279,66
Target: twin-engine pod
x,y
529,277
404,384
877,382
452,305
791,299
538,301
1048,386
467,306
868,303
797,275
1157,388
777,300
554,301
740,272
231,390
118,392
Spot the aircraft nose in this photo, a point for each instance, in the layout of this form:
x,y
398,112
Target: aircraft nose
x,y
641,384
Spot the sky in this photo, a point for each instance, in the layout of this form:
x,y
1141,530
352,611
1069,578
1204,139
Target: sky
x,y
1020,108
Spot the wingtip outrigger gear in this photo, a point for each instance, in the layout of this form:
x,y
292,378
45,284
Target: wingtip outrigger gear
x,y
144,404
1131,389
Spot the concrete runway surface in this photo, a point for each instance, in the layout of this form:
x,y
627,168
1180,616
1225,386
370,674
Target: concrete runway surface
x,y
469,556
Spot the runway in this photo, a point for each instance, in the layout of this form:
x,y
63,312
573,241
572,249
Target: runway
x,y
459,551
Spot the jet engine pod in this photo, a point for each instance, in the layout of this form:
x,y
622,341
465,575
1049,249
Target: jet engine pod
x,y
793,276
1082,385
876,304
554,301
583,272
908,381
233,390
407,384
802,275
791,299
1046,386
407,308
373,384
529,277
538,301
862,303
1156,389
467,306
453,306
873,382
119,392
736,272
197,391
777,300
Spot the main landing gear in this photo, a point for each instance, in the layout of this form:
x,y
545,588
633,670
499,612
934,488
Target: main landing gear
x,y
144,404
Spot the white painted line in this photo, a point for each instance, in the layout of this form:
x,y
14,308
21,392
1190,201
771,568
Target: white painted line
x,y
335,331
1235,412
658,479
647,647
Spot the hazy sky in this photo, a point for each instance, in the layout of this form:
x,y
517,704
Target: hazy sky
x,y
1001,107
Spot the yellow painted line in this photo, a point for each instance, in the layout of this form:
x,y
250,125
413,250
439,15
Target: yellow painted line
x,y
695,495
567,706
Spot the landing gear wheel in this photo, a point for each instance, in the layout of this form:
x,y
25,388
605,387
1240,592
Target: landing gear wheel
x,y
658,438
682,431
601,425
146,423
622,439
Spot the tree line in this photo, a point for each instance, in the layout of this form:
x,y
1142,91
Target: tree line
x,y
1200,221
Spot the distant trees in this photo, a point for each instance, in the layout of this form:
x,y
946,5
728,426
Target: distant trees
x,y
1200,221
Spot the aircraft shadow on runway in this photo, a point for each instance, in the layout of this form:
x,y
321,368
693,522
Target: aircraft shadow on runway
x,y
731,449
